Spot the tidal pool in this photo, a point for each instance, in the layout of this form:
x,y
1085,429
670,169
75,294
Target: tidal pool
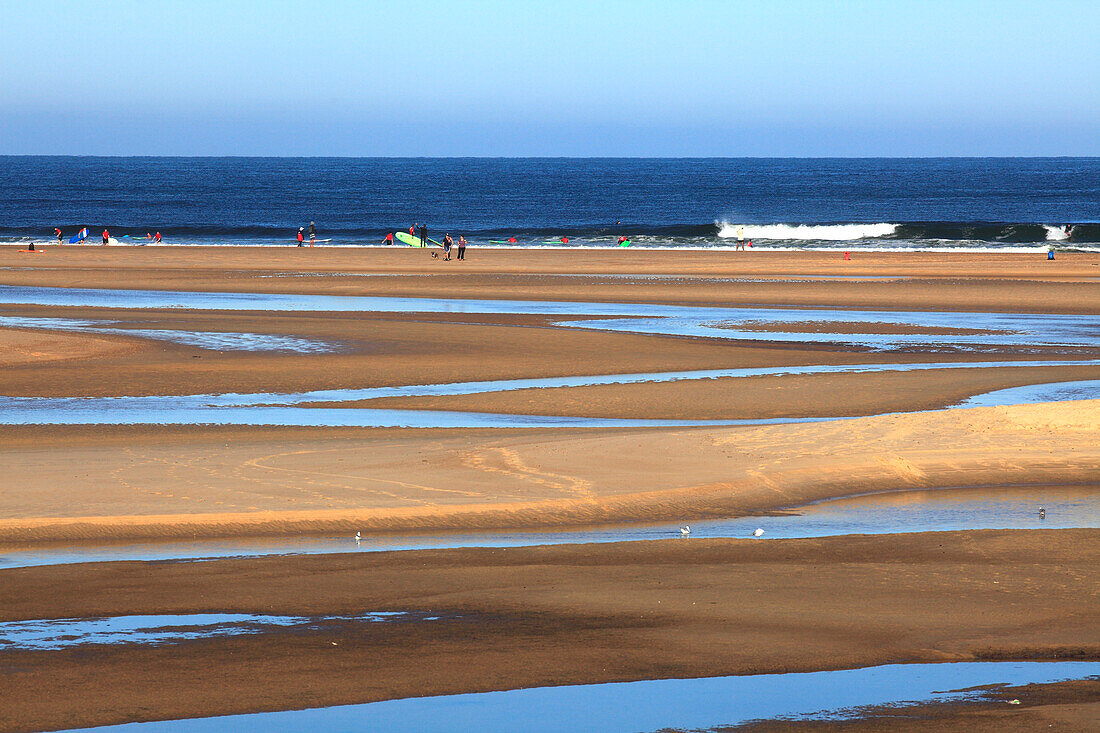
x,y
652,705
49,634
213,340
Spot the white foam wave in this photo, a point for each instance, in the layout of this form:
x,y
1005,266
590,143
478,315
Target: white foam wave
x,y
820,232
1055,234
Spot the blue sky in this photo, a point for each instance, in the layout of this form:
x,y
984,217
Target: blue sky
x,y
487,77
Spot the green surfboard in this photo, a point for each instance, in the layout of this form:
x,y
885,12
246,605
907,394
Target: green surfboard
x,y
408,239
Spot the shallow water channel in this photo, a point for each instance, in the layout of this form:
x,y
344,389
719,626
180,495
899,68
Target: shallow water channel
x,y
961,331
652,705
1013,507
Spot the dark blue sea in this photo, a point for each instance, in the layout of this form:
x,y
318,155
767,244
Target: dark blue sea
x,y
883,204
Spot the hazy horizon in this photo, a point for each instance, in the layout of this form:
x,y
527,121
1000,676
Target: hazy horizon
x,y
487,78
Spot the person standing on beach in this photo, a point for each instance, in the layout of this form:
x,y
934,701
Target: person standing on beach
x,y
740,239
312,234
58,233
301,236
423,236
447,244
412,230
106,237
461,247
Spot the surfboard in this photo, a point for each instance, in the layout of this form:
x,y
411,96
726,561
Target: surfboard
x,y
407,239
79,236
625,244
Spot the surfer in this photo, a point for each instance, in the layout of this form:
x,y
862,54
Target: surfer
x,y
156,237
423,235
412,230
388,239
106,237
1068,231
621,240
564,240
301,236
740,239
312,234
447,244
58,233
461,247
512,240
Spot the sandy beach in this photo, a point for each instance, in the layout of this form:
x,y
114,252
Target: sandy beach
x,y
589,613
572,614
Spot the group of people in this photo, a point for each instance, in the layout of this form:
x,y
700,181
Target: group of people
x,y
447,244
83,234
312,235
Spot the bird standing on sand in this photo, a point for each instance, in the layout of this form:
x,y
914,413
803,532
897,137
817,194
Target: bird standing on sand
x,y
1042,512
358,538
758,532
685,530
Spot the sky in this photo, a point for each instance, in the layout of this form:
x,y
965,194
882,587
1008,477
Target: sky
x,y
550,78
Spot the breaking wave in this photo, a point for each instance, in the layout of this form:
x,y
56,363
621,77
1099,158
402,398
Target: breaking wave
x,y
812,232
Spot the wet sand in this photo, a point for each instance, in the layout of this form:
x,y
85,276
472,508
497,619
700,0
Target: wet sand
x,y
552,615
1067,707
537,616
958,281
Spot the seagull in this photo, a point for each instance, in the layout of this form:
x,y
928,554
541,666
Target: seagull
x,y
757,532
358,538
1042,512
685,530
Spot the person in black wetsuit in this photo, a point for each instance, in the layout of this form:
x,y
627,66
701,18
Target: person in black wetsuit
x,y
423,236
312,234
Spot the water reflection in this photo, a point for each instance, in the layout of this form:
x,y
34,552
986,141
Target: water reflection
x,y
908,511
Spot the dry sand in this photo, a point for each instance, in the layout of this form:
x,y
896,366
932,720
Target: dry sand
x,y
172,482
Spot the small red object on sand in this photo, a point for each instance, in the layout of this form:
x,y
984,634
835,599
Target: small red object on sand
x,y
846,256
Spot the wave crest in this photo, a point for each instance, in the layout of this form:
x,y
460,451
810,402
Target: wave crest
x,y
819,232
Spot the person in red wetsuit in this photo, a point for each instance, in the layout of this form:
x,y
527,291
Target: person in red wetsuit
x,y
512,240
388,239
156,238
58,233
106,237
412,230
565,240
301,236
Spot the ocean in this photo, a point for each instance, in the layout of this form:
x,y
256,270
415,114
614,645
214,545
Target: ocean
x,y
932,204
